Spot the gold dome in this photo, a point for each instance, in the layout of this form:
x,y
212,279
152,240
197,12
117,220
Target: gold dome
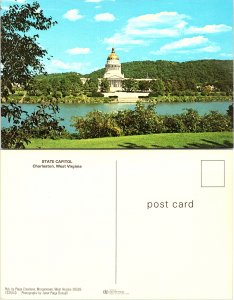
x,y
113,55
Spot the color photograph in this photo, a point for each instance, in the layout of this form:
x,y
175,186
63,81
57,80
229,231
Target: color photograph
x,y
116,74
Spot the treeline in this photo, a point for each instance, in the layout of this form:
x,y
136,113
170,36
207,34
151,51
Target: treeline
x,y
200,71
178,87
181,75
169,79
70,84
144,120
63,85
56,85
60,88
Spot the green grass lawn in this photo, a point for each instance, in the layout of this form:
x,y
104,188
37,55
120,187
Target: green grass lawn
x,y
204,140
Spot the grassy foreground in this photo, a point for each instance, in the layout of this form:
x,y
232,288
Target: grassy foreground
x,y
204,140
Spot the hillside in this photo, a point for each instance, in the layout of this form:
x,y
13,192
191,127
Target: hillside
x,y
208,78
201,71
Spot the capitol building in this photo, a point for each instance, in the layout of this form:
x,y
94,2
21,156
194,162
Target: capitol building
x,y
114,75
115,78
113,72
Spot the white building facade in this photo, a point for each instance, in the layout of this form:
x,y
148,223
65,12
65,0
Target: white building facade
x,y
115,78
113,72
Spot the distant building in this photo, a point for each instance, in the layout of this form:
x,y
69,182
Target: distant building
x,y
113,72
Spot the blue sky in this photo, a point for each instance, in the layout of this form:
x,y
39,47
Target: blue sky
x,y
175,30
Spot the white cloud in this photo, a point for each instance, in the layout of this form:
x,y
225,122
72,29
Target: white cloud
x,y
184,43
209,49
106,17
151,32
163,24
163,18
18,1
181,25
97,1
145,28
73,15
121,39
77,51
158,25
208,29
5,7
56,65
227,55
118,49
188,46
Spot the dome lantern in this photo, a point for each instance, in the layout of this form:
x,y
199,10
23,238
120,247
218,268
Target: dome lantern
x,y
113,55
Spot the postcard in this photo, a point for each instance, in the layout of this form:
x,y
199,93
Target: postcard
x,y
116,149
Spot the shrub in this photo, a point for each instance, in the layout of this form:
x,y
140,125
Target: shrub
x,y
173,124
96,94
96,124
191,120
143,97
144,120
230,113
49,98
214,121
153,94
65,93
27,99
141,120
20,93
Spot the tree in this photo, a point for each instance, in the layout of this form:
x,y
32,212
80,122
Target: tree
x,y
144,85
157,87
230,114
105,86
21,53
42,123
75,82
96,124
215,121
130,85
91,86
191,120
21,61
173,123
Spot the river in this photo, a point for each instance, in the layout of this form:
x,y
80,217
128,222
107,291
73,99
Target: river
x,y
69,110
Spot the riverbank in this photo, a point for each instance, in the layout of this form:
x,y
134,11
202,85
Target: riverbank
x,y
112,98
203,140
175,99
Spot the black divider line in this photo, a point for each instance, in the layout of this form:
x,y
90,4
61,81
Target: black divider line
x,y
116,220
